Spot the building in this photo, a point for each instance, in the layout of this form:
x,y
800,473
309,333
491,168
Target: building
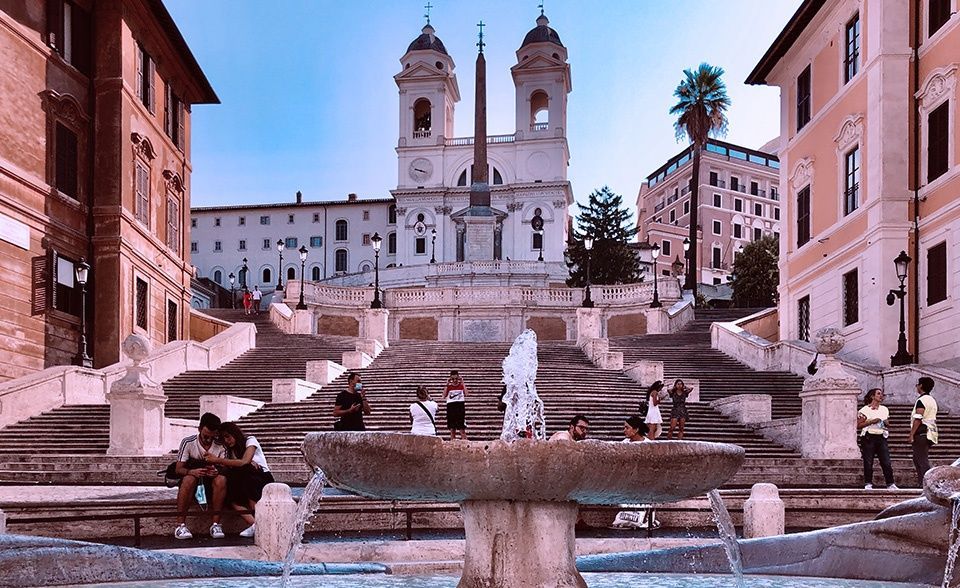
x,y
739,203
870,164
95,166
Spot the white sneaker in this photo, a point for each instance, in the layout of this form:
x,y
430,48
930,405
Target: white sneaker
x,y
216,531
250,531
893,487
868,486
182,532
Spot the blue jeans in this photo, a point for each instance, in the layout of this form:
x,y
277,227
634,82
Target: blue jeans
x,y
876,446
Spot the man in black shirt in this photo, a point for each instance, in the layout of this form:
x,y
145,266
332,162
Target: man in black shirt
x,y
351,405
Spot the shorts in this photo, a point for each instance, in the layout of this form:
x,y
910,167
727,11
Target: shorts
x,y
456,416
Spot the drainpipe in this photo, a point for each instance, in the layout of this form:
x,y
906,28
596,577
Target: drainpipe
x,y
915,291
326,261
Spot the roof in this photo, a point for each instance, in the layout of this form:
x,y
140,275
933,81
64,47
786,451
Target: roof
x,y
788,36
291,205
427,41
207,95
541,33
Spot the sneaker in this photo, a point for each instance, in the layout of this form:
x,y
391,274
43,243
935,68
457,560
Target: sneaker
x,y
249,531
182,532
216,531
893,487
868,486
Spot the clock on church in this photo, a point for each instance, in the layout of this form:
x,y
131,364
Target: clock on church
x,y
421,169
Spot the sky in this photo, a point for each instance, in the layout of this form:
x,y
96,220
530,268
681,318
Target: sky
x,y
309,102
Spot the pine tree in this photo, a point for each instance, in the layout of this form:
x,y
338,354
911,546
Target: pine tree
x,y
756,274
609,223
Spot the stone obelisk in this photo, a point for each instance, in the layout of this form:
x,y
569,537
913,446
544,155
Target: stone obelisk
x,y
479,219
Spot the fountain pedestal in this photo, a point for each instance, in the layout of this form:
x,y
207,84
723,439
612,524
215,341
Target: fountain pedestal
x,y
516,543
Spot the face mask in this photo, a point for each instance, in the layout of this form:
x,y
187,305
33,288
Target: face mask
x,y
358,386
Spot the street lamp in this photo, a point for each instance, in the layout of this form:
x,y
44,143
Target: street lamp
x,y
233,299
655,252
376,240
303,263
244,273
540,256
902,356
280,266
588,245
433,246
82,273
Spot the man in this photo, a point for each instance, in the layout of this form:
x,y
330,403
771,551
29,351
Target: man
x,y
257,296
923,430
576,431
194,470
351,405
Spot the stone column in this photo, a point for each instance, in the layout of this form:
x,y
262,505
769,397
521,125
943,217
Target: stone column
x,y
136,406
276,518
3,523
763,513
828,423
375,325
588,325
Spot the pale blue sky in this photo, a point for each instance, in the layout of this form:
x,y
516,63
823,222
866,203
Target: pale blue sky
x,y
309,102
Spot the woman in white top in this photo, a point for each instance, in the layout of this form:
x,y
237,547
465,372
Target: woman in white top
x,y
654,419
423,414
246,470
872,423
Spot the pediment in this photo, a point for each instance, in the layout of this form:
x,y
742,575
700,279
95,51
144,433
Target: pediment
x,y
538,61
420,70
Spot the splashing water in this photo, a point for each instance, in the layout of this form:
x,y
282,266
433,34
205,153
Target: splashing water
x,y
728,534
953,538
523,416
308,503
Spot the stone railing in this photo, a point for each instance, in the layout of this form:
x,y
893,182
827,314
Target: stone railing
x,y
485,267
54,387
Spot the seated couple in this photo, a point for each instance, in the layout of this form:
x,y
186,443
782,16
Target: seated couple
x,y
230,468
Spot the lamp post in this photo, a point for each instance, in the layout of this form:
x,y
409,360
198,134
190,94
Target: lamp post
x,y
433,246
902,356
303,263
280,266
655,252
588,245
233,299
82,271
376,240
244,274
540,256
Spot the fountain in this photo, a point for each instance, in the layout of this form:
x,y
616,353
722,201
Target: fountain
x,y
519,496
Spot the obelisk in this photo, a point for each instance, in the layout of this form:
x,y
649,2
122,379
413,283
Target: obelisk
x,y
479,218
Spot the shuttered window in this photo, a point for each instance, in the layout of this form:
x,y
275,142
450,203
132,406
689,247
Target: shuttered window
x,y
803,318
939,14
173,224
937,273
938,133
173,321
140,303
145,75
66,172
803,216
851,297
173,117
142,185
803,98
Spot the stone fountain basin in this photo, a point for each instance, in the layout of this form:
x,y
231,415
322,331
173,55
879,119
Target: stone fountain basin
x,y
416,467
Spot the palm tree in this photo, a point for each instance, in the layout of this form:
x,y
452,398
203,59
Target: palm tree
x,y
701,112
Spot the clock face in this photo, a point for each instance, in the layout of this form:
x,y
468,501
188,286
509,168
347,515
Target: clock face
x,y
421,169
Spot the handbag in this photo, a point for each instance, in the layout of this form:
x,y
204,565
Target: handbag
x,y
812,368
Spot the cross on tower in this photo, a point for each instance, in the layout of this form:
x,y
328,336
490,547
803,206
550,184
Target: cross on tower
x,y
540,6
428,6
480,43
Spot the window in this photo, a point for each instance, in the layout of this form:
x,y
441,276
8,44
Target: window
x,y
365,239
193,223
851,188
194,247
266,276
67,169
69,33
773,194
937,273
391,244
145,75
803,318
757,233
686,207
851,298
851,56
665,247
289,219
340,260
737,231
715,261
173,118
938,133
291,274
497,177
316,241
716,227
366,215
803,216
757,209
392,214
173,224
142,204
714,178
420,245
718,200
217,246
316,217
265,220
776,213
754,188
242,221
216,222
315,273
673,215
803,98
341,232
738,204
776,235
66,291
734,183
243,245
537,243
218,276
939,14
266,243
290,243
140,293
172,320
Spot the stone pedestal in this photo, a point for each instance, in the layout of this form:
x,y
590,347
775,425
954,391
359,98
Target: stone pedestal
x,y
519,544
828,428
276,518
479,238
763,513
588,325
323,371
136,406
375,325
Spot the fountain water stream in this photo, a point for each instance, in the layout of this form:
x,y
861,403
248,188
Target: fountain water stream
x,y
308,503
523,416
953,540
728,534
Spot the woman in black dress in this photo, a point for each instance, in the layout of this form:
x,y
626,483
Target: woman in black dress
x,y
678,412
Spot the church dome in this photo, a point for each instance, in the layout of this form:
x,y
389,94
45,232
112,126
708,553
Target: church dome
x,y
542,33
428,41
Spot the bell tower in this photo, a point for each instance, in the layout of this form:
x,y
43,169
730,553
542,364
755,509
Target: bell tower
x,y
428,91
542,80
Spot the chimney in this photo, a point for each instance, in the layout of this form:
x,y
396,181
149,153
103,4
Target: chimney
x,y
299,197
351,197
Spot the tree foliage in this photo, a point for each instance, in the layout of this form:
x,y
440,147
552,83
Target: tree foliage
x,y
756,274
611,261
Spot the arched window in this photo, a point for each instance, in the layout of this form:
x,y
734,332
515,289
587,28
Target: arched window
x,y
366,266
421,118
341,230
539,111
340,259
291,274
391,243
497,177
392,215
315,273
267,276
493,173
218,276
462,180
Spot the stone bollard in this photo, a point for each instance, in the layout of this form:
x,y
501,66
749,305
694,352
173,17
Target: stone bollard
x,y
763,512
276,518
828,428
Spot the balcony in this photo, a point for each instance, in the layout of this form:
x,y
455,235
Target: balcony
x,y
719,184
539,126
491,139
421,134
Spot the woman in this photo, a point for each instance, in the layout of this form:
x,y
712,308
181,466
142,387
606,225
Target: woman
x,y
634,430
455,396
247,301
678,410
423,414
246,471
654,419
872,424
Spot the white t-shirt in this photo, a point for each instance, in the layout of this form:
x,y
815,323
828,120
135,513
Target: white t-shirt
x,y
876,428
257,294
258,457
190,448
423,424
455,394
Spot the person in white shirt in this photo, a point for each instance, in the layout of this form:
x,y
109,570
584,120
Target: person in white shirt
x,y
872,422
255,297
455,395
195,469
247,472
924,433
423,414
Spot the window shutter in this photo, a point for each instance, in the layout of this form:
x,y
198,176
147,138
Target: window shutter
x,y
141,65
42,284
938,142
167,121
151,71
55,25
181,140
937,273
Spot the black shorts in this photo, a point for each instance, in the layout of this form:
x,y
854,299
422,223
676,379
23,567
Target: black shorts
x,y
456,416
